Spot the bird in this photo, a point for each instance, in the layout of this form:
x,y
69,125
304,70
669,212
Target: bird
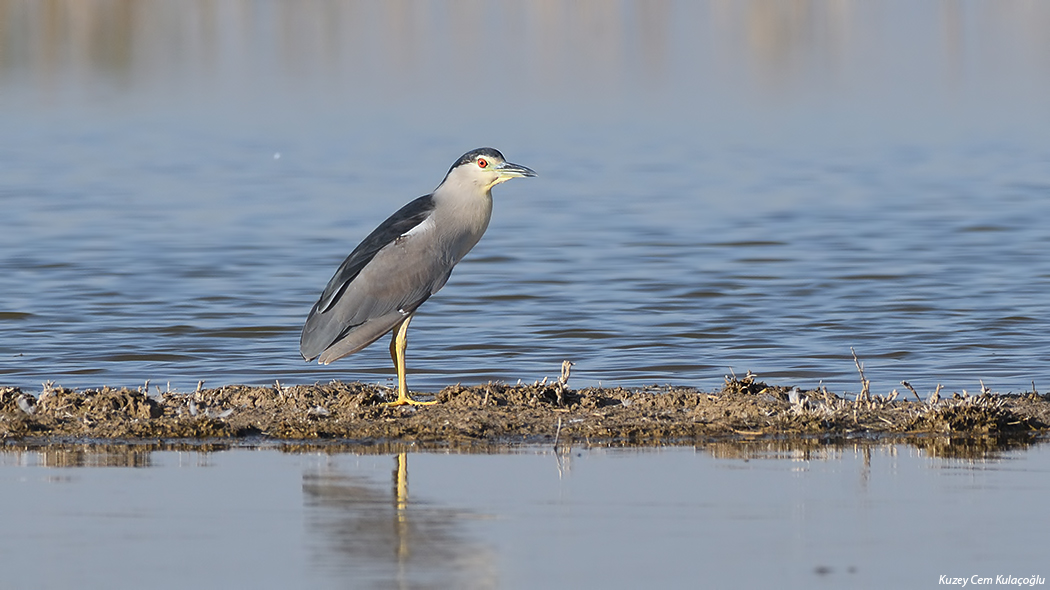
x,y
404,261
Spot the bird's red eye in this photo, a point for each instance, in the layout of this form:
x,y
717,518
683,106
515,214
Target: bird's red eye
x,y
482,163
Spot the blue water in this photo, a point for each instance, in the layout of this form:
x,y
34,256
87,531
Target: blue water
x,y
718,516
723,187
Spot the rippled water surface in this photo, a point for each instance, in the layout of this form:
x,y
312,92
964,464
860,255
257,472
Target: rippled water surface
x,y
723,186
720,516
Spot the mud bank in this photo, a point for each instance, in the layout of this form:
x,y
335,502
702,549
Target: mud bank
x,y
497,413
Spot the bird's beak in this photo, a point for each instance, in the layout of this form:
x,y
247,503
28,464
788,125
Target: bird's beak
x,y
507,171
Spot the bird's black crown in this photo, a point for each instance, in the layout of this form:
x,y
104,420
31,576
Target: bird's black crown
x,y
469,157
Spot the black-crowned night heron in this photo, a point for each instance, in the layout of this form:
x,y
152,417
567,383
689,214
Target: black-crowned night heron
x,y
403,262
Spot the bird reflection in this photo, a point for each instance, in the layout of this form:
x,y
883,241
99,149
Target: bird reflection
x,y
401,505
375,538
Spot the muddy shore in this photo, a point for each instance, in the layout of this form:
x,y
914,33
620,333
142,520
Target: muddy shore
x,y
501,414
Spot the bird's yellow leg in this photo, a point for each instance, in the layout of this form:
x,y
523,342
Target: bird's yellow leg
x,y
398,344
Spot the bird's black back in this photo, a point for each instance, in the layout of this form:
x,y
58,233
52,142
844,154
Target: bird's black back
x,y
396,225
320,331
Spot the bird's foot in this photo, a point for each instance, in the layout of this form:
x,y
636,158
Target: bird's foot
x,y
404,400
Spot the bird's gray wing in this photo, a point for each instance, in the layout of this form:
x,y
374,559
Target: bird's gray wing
x,y
375,288
395,226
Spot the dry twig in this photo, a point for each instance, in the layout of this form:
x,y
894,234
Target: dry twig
x,y
912,389
865,385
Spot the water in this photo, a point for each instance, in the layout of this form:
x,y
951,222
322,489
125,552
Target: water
x,y
723,187
727,515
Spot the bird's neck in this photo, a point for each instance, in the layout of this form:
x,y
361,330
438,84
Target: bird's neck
x,y
468,209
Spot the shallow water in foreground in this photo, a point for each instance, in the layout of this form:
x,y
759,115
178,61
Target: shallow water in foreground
x,y
723,515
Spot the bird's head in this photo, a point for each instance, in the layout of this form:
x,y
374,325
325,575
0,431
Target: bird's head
x,y
485,168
